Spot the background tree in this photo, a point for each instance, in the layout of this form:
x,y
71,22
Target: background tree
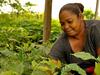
x,y
28,6
15,4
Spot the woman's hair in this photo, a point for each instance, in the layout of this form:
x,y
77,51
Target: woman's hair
x,y
75,8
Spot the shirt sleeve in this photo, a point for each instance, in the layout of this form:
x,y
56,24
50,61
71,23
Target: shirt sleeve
x,y
97,35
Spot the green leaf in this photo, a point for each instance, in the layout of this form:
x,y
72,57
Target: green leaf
x,y
75,67
8,53
38,72
34,64
98,58
97,68
8,73
17,67
84,55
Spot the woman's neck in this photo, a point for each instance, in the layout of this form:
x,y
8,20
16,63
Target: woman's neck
x,y
78,42
82,33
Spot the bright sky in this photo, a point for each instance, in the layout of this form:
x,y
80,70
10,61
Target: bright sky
x,y
57,4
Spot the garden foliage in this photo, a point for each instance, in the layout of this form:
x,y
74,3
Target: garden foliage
x,y
22,51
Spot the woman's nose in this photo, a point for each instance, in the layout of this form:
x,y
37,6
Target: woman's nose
x,y
66,26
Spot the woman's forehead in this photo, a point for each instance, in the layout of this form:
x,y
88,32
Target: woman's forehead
x,y
66,14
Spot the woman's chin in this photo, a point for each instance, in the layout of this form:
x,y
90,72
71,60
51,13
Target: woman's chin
x,y
72,34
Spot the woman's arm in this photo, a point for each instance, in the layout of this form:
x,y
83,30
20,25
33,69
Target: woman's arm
x,y
97,39
56,51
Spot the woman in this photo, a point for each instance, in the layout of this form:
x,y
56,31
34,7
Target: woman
x,y
79,35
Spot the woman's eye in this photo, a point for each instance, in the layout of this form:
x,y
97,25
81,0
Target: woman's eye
x,y
62,24
69,22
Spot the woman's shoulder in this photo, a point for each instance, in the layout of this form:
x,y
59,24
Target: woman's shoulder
x,y
92,23
93,26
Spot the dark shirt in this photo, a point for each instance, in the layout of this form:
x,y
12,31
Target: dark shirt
x,y
62,50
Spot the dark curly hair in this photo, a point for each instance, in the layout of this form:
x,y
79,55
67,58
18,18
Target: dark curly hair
x,y
75,8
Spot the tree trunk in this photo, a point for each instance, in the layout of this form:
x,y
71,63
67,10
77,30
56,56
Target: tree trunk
x,y
47,20
96,11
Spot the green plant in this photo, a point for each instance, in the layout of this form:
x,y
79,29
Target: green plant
x,y
46,65
66,70
88,14
87,56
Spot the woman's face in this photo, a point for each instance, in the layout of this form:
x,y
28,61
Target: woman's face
x,y
70,23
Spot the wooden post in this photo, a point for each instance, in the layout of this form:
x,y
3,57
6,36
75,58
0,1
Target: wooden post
x,y
47,20
97,7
